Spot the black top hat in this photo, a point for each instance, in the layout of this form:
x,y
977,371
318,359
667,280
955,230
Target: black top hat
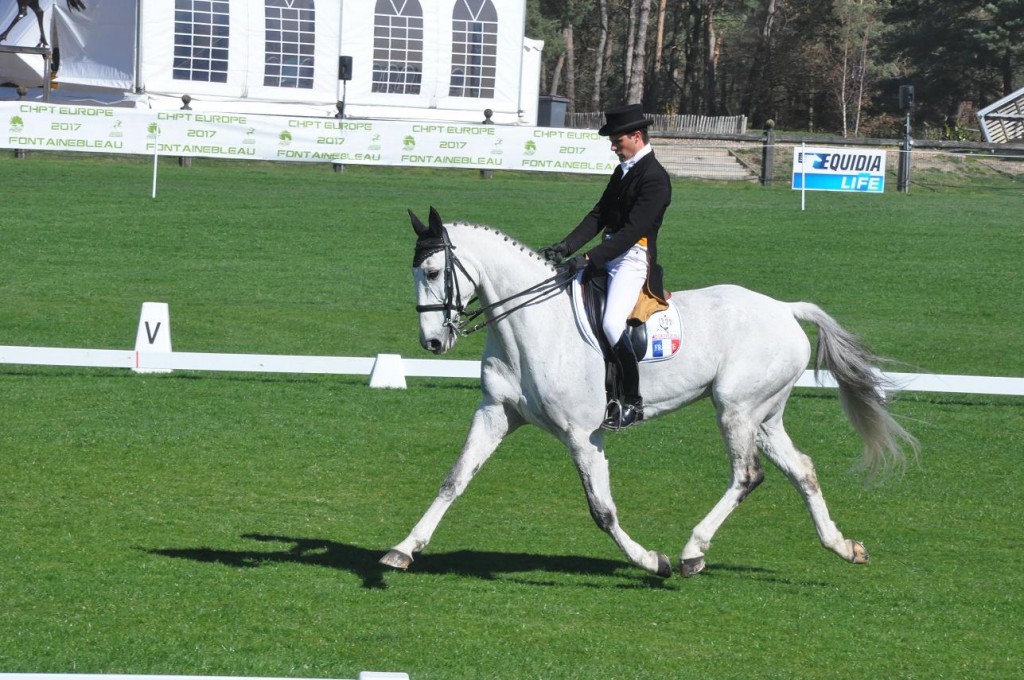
x,y
628,118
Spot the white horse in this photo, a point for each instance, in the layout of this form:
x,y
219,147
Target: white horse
x,y
742,349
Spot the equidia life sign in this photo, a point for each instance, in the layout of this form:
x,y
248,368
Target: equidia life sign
x,y
838,169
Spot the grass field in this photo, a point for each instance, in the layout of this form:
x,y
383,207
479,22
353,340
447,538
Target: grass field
x,y
230,524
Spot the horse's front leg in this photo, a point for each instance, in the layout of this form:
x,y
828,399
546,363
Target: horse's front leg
x,y
22,12
491,424
588,455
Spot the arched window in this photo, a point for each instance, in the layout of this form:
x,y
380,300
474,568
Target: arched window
x,y
201,34
474,49
289,43
397,46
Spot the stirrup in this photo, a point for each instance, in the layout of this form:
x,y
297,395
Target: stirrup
x,y
619,418
612,415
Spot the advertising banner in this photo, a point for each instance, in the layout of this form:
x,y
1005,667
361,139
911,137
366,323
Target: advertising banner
x,y
838,169
53,127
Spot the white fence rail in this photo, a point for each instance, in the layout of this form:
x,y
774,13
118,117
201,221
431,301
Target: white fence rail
x,y
390,370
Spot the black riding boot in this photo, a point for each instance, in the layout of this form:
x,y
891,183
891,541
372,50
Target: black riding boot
x,y
631,410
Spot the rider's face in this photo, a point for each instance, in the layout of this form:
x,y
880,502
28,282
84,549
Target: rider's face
x,y
625,146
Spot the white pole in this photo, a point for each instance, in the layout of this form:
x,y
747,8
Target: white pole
x,y
156,155
803,176
522,57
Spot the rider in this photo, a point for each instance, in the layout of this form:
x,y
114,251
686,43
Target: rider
x,y
629,212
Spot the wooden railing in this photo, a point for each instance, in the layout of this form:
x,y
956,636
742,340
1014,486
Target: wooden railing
x,y
666,123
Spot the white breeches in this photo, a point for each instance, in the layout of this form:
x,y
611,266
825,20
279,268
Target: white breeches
x,y
626,276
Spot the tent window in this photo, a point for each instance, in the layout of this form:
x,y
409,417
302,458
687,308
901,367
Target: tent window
x,y
474,49
289,43
201,40
397,46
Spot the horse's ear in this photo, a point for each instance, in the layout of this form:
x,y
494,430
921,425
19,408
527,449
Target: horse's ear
x,y
417,225
436,226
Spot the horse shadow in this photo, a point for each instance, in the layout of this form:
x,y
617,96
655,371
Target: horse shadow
x,y
363,562
485,565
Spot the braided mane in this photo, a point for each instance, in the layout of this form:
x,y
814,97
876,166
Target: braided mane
x,y
508,239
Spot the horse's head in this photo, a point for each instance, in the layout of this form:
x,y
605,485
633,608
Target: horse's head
x,y
443,286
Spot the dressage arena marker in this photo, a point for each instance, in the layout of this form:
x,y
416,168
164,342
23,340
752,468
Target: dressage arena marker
x,y
153,354
154,334
388,372
363,675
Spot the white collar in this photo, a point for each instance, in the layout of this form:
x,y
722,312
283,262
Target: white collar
x,y
626,165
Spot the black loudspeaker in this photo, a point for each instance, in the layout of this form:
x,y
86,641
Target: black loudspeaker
x,y
344,68
906,97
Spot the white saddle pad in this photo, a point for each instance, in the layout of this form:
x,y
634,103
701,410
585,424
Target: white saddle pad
x,y
664,328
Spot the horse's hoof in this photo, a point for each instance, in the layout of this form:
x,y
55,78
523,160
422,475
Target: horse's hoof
x,y
396,559
691,566
664,566
860,553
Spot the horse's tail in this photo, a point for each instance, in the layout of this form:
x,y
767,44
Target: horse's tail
x,y
862,390
76,4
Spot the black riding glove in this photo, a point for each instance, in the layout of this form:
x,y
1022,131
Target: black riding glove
x,y
555,252
576,264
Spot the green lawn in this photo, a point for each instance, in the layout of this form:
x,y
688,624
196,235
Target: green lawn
x,y
230,524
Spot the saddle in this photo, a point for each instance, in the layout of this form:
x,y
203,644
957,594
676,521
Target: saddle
x,y
655,338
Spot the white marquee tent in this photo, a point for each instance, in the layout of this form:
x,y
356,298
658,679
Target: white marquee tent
x,y
409,59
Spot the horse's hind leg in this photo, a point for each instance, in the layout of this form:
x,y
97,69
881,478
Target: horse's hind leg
x,y
39,19
738,434
490,425
799,468
592,466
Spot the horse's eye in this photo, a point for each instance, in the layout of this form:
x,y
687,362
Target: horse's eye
x,y
433,274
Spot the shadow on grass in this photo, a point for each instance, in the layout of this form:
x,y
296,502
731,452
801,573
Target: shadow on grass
x,y
757,574
363,562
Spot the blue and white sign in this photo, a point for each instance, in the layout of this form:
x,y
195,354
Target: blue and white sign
x,y
839,169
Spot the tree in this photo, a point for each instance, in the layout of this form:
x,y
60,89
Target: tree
x,y
713,40
599,55
691,93
807,64
636,66
999,27
756,101
654,90
955,51
570,62
541,26
856,25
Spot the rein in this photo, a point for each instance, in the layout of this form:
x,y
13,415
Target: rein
x,y
543,288
452,306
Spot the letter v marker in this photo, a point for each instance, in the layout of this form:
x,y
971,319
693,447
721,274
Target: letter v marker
x,y
154,334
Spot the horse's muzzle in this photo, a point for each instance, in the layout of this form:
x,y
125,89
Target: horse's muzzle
x,y
438,345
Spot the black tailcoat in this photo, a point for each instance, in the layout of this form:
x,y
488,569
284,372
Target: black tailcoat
x,y
630,209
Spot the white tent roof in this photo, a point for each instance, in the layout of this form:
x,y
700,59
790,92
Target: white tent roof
x,y
131,53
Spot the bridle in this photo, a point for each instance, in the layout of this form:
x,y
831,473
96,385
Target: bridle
x,y
452,305
456,316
